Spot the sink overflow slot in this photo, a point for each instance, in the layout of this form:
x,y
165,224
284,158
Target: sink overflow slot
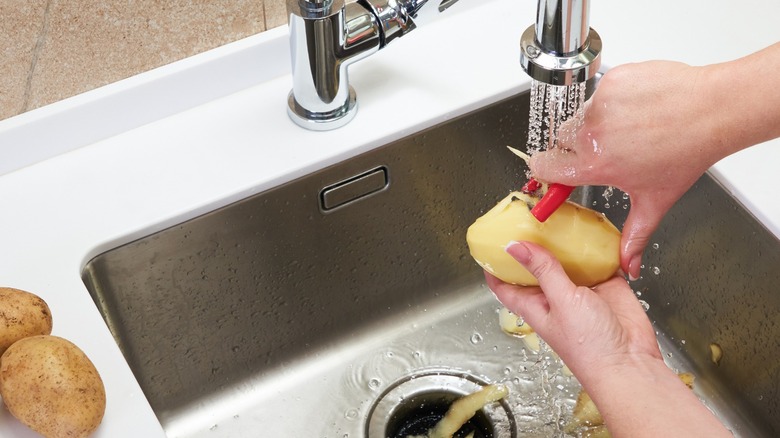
x,y
354,188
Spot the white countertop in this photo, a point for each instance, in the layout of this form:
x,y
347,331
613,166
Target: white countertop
x,y
101,169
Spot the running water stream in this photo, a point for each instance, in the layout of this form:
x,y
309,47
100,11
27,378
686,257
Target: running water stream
x,y
551,106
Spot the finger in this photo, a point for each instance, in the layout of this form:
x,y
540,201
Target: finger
x,y
640,225
528,302
555,165
545,268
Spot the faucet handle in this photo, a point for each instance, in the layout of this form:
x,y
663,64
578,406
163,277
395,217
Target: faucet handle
x,y
397,17
446,4
393,17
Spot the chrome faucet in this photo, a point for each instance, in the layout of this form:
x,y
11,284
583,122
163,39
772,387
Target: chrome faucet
x,y
561,48
326,36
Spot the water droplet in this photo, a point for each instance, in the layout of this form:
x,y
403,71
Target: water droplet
x,y
656,270
507,371
656,245
351,414
476,338
644,305
374,383
608,193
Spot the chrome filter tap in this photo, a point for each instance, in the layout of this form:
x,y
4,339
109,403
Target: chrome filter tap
x,y
561,48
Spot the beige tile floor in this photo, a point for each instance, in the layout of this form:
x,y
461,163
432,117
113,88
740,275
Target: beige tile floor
x,y
54,49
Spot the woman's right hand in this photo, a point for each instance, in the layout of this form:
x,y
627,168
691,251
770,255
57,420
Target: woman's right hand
x,y
652,129
643,133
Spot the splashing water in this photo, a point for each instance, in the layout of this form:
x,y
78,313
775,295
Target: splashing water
x,y
551,106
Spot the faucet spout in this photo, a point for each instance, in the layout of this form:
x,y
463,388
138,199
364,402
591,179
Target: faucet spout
x,y
561,48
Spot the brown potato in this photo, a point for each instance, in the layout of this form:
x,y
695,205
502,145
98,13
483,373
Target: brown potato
x,y
22,314
51,386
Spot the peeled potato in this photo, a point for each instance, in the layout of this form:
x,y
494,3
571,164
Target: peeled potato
x,y
51,386
583,240
22,314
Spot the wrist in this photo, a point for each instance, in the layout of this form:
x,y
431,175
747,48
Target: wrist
x,y
740,112
632,395
613,371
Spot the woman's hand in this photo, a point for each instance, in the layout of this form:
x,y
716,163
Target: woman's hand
x,y
605,338
645,132
652,129
590,329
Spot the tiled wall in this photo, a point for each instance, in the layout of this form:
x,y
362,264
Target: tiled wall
x,y
53,49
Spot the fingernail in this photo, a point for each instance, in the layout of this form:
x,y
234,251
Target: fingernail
x,y
634,267
518,251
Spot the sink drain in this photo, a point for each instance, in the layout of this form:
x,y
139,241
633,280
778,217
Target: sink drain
x,y
414,404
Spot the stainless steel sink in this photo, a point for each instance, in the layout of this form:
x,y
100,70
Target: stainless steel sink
x,y
333,305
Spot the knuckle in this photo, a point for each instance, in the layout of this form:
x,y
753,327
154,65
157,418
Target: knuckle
x,y
542,265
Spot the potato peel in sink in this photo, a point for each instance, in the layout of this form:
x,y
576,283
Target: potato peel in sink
x,y
464,408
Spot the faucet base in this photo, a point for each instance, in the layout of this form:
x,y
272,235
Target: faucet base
x,y
322,121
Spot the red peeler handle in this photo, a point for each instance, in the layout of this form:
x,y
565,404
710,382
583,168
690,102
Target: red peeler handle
x,y
556,195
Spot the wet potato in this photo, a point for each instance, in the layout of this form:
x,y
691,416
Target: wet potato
x,y
583,240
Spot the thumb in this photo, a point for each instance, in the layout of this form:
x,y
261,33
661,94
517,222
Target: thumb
x,y
642,221
545,268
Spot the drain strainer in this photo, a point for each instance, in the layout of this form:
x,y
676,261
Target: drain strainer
x,y
414,404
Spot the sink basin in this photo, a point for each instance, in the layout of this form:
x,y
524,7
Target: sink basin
x,y
332,305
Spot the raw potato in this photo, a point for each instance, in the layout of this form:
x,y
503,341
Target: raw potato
x,y
22,314
51,386
583,240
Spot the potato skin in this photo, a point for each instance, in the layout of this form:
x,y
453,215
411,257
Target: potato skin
x,y
22,314
51,386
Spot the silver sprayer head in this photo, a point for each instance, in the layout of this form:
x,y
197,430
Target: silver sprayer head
x,y
561,48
